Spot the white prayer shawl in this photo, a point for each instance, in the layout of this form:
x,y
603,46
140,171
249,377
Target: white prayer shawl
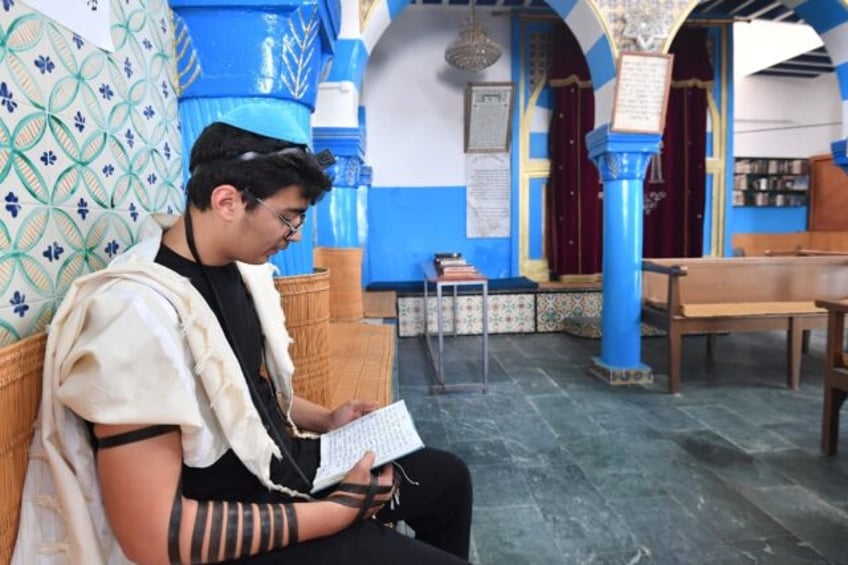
x,y
136,343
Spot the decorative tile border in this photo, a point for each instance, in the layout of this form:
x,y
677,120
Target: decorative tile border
x,y
561,311
508,313
576,313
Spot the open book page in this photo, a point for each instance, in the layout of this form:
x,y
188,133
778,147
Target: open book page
x,y
389,432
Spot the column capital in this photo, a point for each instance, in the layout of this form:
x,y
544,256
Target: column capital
x,y
348,145
346,172
270,48
621,156
840,157
349,142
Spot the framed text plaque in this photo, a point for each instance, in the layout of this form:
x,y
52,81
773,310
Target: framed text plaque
x,y
641,92
488,116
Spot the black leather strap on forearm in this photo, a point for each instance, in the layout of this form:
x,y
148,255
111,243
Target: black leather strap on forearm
x,y
265,526
231,537
199,532
291,520
231,529
174,527
140,434
367,492
215,531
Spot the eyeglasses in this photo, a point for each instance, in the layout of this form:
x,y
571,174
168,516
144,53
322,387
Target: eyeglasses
x,y
286,223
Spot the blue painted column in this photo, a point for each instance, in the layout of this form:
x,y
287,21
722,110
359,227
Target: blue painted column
x,y
840,157
622,159
232,53
340,213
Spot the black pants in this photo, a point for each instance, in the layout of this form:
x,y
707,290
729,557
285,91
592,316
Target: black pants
x,y
438,508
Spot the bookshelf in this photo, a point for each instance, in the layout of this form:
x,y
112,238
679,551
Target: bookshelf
x,y
763,181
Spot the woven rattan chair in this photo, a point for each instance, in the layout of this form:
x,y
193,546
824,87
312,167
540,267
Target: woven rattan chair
x,y
21,366
306,301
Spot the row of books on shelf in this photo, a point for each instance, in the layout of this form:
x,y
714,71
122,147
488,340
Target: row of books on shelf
x,y
453,265
747,182
766,198
771,166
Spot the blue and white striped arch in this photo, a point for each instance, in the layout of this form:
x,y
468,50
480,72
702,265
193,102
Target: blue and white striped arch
x,y
828,17
581,16
830,20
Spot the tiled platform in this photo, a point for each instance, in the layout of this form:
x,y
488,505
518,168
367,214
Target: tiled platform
x,y
568,469
509,312
573,311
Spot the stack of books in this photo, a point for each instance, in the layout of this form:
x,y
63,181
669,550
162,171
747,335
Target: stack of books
x,y
453,265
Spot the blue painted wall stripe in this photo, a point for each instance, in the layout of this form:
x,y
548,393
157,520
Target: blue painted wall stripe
x,y
823,15
601,63
538,145
514,162
536,222
730,112
545,99
770,219
706,243
402,233
842,78
396,6
562,7
349,62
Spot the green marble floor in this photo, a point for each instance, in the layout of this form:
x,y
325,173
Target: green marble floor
x,y
568,469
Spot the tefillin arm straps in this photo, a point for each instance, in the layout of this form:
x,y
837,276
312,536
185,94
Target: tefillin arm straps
x,y
228,530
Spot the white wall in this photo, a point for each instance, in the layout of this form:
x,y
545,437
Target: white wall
x,y
776,116
760,44
415,101
783,117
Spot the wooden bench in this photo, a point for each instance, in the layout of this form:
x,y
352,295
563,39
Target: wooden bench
x,y
708,296
361,362
835,374
791,243
361,366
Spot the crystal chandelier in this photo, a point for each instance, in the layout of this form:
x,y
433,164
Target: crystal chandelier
x,y
473,50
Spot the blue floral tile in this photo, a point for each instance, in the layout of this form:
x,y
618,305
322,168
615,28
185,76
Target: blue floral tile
x,y
65,210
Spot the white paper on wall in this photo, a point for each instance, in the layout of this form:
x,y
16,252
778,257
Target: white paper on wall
x,y
487,194
87,18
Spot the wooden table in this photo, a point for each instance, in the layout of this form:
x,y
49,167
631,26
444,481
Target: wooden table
x,y
437,357
835,373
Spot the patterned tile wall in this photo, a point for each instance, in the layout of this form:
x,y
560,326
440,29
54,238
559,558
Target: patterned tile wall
x,y
508,313
574,313
556,311
89,145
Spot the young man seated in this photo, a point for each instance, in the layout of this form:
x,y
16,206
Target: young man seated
x,y
169,432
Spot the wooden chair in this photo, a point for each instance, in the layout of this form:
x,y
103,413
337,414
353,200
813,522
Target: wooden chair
x,y
836,374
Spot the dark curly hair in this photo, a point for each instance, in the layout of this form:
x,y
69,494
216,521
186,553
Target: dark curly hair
x,y
224,154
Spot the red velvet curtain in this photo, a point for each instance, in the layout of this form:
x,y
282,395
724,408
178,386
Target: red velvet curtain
x,y
674,208
574,207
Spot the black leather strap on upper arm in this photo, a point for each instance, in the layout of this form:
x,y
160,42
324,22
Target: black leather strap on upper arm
x,y
140,434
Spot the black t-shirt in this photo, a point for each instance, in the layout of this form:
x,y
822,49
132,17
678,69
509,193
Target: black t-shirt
x,y
228,478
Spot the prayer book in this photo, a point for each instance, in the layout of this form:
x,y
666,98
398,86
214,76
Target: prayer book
x,y
389,432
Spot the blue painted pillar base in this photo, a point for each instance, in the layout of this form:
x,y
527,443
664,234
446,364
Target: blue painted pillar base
x,y
840,157
622,159
640,375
